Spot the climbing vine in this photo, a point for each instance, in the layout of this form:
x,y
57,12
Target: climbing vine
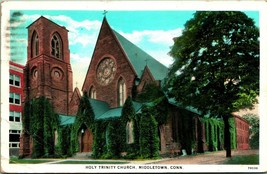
x,y
214,129
99,139
129,115
85,116
40,122
149,139
64,143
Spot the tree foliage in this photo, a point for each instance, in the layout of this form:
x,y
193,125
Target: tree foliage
x,y
154,95
216,64
254,130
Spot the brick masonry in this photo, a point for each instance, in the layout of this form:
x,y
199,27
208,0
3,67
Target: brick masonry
x,y
107,46
40,71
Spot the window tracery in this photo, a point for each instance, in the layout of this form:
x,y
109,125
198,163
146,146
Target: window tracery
x,y
56,46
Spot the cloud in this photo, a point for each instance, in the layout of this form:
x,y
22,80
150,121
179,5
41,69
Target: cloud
x,y
74,25
80,32
79,66
82,38
162,57
77,58
153,36
155,42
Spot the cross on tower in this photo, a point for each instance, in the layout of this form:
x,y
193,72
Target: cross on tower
x,y
105,12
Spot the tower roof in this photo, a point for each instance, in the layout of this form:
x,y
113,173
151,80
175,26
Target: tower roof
x,y
44,18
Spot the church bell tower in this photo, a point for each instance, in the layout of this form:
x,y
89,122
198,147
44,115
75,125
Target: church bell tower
x,y
48,71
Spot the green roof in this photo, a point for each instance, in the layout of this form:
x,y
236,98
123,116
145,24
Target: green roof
x,y
139,59
114,112
101,111
99,107
137,106
66,119
188,108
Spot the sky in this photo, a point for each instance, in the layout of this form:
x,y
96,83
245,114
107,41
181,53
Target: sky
x,y
152,31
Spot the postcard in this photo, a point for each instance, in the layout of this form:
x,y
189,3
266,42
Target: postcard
x,y
133,86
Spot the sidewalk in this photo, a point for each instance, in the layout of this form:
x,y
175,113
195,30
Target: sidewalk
x,y
206,158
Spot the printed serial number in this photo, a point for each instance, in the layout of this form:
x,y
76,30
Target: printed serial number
x,y
252,168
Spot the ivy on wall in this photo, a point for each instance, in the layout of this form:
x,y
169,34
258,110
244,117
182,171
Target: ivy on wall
x,y
109,141
129,115
85,116
99,139
149,138
215,133
115,138
110,135
63,147
40,122
233,133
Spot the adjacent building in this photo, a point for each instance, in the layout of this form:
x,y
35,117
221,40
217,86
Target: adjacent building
x,y
16,86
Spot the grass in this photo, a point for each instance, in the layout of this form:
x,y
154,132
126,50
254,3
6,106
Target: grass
x,y
90,162
243,159
14,160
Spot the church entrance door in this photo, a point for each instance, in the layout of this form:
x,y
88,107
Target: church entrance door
x,y
86,141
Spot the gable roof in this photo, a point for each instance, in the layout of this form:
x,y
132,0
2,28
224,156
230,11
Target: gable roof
x,y
76,93
102,110
140,59
99,107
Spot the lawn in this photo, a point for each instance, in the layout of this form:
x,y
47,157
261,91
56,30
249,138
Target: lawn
x,y
243,159
28,161
91,162
14,160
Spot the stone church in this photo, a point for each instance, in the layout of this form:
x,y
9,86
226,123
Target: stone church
x,y
118,69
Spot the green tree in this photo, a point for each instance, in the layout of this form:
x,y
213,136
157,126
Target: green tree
x,y
154,95
254,130
216,65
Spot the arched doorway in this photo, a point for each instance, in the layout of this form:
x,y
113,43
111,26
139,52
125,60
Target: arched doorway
x,y
86,140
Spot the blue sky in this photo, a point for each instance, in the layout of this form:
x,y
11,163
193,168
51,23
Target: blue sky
x,y
152,31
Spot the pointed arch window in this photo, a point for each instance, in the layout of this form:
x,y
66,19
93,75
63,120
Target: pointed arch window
x,y
56,47
129,132
35,44
92,93
121,92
